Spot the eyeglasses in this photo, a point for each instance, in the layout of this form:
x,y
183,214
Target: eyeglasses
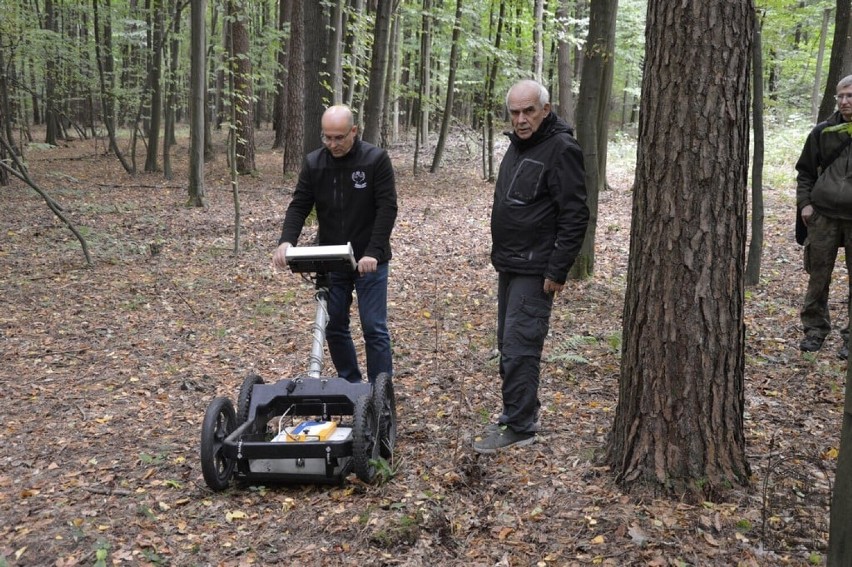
x,y
843,96
334,139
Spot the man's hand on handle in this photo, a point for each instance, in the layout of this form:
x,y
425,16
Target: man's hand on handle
x,y
367,264
279,257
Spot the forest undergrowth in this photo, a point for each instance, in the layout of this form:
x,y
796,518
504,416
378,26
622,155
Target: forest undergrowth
x,y
107,372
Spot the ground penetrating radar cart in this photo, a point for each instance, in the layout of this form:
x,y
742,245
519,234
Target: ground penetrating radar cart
x,y
307,429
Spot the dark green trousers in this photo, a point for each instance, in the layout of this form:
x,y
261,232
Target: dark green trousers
x,y
825,236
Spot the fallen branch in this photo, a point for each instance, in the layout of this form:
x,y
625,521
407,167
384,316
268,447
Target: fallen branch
x,y
21,173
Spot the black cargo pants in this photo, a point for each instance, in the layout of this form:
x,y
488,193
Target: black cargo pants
x,y
523,319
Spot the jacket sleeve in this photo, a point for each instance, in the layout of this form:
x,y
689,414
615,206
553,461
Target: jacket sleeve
x,y
300,207
807,169
386,209
568,188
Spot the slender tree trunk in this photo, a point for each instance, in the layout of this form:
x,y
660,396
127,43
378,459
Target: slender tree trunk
x,y
197,107
244,99
51,114
106,76
840,63
425,72
390,122
378,72
592,119
211,99
295,125
826,14
335,73
356,51
175,8
840,528
565,70
755,247
538,40
155,87
279,115
678,425
315,94
490,109
451,86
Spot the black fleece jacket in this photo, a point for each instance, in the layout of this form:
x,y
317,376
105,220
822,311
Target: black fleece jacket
x,y
355,199
539,217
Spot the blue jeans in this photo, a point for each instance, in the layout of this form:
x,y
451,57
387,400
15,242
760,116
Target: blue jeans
x,y
372,290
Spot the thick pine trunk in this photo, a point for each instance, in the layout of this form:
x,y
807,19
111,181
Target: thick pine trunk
x,y
679,420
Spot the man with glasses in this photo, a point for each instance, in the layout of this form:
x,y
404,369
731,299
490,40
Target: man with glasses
x,y
351,185
824,197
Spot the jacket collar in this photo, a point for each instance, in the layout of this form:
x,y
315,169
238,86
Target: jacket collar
x,y
544,131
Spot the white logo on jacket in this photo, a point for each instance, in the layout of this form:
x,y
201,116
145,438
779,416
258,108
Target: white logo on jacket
x,y
359,178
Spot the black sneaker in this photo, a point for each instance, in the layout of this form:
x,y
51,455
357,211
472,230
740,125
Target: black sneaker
x,y
501,439
491,428
843,353
811,343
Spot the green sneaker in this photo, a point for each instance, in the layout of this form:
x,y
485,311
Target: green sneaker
x,y
501,438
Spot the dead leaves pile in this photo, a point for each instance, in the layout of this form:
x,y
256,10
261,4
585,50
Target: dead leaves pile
x,y
106,375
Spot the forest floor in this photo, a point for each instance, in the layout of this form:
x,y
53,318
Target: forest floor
x,y
107,372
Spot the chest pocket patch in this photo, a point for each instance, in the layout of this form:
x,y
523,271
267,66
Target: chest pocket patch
x,y
524,187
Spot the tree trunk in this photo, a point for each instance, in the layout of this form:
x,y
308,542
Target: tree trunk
x,y
826,14
175,8
355,49
592,119
285,16
490,81
565,71
390,123
155,87
335,72
423,92
51,115
244,99
294,127
755,247
678,423
538,40
197,108
211,99
106,76
451,86
378,71
840,63
840,527
315,94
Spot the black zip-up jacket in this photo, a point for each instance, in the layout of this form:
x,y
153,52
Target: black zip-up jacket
x,y
826,186
355,199
539,217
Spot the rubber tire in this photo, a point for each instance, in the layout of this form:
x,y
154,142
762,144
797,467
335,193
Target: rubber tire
x,y
365,449
219,421
244,400
385,404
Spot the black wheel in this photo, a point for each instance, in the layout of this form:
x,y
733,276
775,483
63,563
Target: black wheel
x,y
219,421
385,405
244,401
365,449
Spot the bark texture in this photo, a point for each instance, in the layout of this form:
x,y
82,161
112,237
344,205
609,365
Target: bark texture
x,y
679,420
